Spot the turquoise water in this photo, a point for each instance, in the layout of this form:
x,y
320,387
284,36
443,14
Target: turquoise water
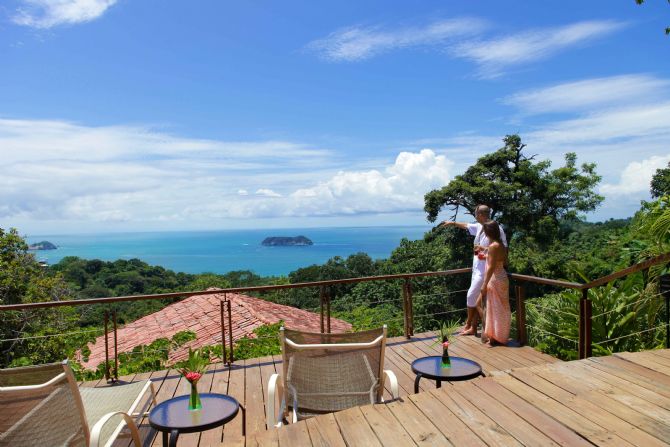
x,y
224,251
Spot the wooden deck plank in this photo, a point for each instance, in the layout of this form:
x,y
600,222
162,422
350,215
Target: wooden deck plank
x,y
268,438
354,428
421,429
232,431
487,429
254,396
536,416
219,385
293,435
445,420
662,352
640,374
388,429
562,413
644,360
624,391
627,382
495,409
588,410
607,403
324,432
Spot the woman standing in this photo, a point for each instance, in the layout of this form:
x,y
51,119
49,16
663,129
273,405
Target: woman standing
x,y
495,289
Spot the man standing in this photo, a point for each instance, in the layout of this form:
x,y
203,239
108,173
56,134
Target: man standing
x,y
481,243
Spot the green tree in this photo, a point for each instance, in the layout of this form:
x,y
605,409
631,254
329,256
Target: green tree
x,y
22,281
524,195
660,183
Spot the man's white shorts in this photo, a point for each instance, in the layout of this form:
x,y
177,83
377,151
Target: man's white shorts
x,y
475,287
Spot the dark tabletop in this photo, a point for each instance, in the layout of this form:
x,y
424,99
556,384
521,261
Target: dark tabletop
x,y
461,369
173,414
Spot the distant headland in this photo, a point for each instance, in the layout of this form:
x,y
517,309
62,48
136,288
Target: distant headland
x,y
284,241
44,245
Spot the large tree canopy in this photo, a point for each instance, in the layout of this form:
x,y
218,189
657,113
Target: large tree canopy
x,y
660,183
524,195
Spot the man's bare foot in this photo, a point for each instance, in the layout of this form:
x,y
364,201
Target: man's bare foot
x,y
464,329
468,332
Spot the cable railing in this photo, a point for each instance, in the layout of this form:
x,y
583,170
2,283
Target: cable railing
x,y
406,303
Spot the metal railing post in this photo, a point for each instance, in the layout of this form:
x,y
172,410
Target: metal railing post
x,y
116,350
405,311
107,346
230,332
520,292
588,339
328,310
322,300
585,324
665,291
224,353
410,306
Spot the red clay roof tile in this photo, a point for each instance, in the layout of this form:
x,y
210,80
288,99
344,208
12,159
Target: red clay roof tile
x,y
202,315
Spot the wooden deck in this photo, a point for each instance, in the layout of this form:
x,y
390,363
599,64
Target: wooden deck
x,y
247,381
621,400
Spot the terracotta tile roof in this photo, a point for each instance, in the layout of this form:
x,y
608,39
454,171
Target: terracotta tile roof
x,y
202,315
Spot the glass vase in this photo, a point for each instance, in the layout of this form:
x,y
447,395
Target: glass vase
x,y
446,362
194,400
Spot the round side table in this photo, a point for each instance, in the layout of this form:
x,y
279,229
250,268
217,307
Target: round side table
x,y
431,368
173,417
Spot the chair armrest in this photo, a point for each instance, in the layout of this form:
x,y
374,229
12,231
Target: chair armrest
x,y
97,428
393,381
274,392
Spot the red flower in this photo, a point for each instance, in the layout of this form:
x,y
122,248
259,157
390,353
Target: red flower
x,y
445,344
193,376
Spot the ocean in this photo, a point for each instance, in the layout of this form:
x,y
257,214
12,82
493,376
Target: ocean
x,y
224,251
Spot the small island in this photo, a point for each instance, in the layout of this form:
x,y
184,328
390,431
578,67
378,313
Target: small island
x,y
285,241
44,245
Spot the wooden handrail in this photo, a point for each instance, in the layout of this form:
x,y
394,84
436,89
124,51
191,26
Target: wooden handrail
x,y
627,271
546,281
118,299
525,278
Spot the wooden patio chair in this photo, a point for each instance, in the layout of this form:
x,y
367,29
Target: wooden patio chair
x,y
42,405
324,373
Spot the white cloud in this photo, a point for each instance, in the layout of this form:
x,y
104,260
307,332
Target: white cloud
x,y
56,171
589,94
494,55
49,13
358,43
624,122
267,193
400,187
636,177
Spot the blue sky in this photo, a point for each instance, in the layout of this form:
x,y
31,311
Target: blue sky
x,y
126,115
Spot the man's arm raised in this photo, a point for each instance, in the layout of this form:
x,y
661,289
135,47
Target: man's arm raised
x,y
461,225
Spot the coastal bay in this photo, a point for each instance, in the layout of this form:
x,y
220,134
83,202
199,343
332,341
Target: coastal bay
x,y
228,250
